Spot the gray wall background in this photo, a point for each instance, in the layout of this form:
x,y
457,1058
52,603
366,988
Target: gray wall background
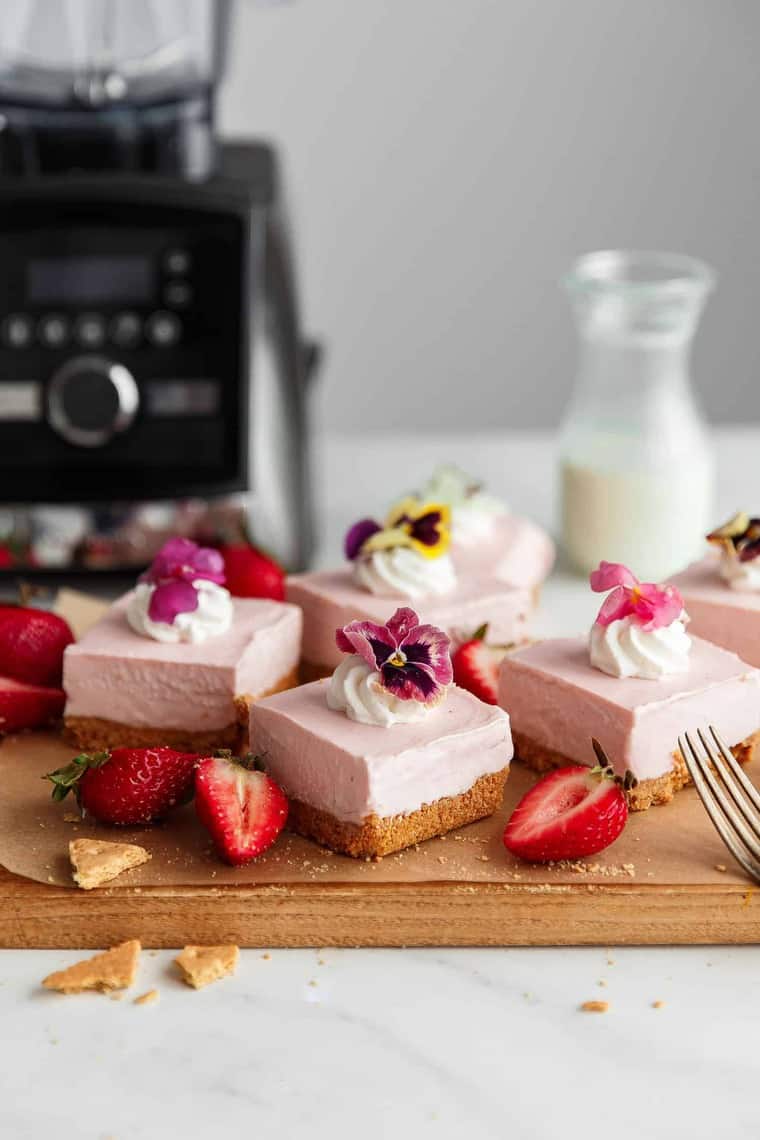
x,y
447,159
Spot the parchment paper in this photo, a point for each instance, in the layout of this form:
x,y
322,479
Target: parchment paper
x,y
665,845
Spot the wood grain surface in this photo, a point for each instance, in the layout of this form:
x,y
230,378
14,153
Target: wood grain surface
x,y
668,879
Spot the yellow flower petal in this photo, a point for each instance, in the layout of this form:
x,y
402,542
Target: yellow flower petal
x,y
386,540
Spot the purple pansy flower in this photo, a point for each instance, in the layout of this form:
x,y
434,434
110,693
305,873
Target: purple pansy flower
x,y
413,660
425,527
357,535
177,565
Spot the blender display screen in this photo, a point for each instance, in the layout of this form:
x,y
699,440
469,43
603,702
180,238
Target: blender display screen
x,y
126,279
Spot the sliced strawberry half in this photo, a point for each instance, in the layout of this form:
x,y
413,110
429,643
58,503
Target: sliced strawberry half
x,y
570,813
242,808
28,706
476,666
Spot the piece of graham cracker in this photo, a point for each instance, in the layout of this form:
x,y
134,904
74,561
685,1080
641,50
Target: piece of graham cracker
x,y
147,998
201,965
96,861
115,969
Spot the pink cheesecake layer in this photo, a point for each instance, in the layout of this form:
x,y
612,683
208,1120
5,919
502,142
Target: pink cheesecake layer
x,y
518,553
559,701
354,770
330,599
728,617
116,674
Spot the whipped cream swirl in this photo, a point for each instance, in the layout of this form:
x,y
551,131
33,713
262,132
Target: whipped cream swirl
x,y
624,649
404,573
355,689
739,575
212,617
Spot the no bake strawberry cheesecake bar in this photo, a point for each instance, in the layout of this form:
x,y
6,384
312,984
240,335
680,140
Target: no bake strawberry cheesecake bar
x,y
407,559
635,685
486,537
177,660
388,752
722,590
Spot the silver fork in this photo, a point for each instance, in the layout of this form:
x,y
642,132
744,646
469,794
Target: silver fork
x,y
732,802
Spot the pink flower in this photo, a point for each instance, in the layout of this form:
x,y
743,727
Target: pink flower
x,y
177,565
181,558
413,660
651,607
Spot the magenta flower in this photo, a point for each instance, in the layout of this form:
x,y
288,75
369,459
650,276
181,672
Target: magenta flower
x,y
413,660
177,565
650,606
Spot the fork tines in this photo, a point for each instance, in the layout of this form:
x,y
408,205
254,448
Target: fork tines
x,y
732,802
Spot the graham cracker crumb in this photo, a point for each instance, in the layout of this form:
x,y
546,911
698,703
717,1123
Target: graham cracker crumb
x,y
595,1006
147,998
266,957
95,861
70,817
201,965
113,970
658,1004
602,982
720,866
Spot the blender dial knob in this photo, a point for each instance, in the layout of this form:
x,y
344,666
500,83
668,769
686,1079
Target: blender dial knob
x,y
91,399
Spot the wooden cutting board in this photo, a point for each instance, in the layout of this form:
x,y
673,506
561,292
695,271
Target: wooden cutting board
x,y
658,884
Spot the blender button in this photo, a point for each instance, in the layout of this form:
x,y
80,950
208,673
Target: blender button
x,y
17,330
178,294
90,330
163,329
177,261
126,330
53,330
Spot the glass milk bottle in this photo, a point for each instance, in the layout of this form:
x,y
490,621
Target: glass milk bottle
x,y
636,465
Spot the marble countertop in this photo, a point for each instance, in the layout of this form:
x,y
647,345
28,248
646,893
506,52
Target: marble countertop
x,y
402,1043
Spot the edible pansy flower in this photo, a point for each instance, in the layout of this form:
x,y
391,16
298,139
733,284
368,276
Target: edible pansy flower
x,y
177,565
739,537
412,660
650,606
425,527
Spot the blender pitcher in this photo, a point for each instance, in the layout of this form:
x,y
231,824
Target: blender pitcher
x,y
636,465
119,85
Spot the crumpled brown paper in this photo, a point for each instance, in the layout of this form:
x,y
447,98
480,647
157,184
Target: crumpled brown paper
x,y
665,845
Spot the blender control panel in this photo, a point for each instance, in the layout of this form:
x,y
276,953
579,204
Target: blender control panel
x,y
123,347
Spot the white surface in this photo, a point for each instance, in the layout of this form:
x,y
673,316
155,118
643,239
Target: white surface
x,y
403,1043
448,159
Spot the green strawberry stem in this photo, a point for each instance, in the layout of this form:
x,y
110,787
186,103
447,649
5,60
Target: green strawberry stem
x,y
605,770
67,778
250,762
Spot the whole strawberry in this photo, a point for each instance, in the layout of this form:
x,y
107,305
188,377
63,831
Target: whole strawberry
x,y
251,574
476,666
32,643
242,808
127,785
570,813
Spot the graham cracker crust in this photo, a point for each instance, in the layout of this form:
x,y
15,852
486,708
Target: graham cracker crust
x,y
375,836
647,793
94,734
